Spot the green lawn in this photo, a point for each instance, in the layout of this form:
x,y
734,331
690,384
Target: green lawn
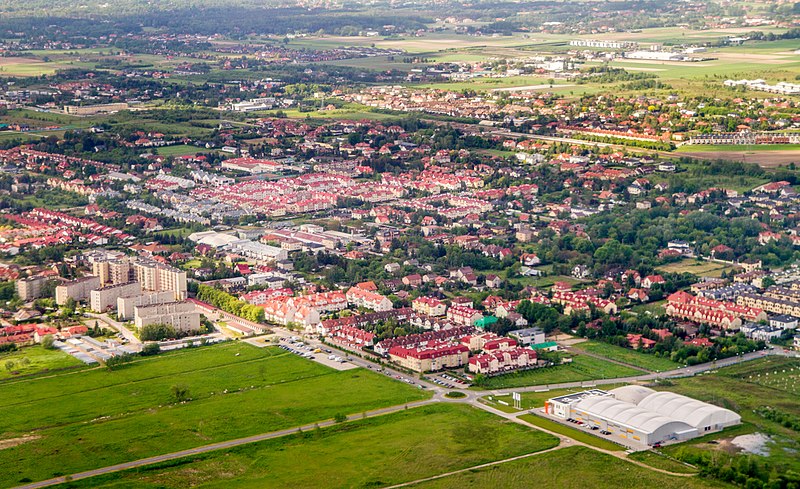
x,y
581,368
743,388
180,150
629,356
374,452
98,417
38,359
701,268
568,468
661,461
574,433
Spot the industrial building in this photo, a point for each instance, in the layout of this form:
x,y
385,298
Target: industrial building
x,y
636,415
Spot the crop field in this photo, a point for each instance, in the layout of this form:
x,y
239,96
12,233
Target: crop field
x,y
35,360
764,157
375,452
581,368
568,468
628,355
98,417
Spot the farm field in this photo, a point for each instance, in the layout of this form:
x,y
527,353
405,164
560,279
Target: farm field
x,y
581,368
35,360
568,468
374,452
743,148
627,355
101,417
764,158
700,268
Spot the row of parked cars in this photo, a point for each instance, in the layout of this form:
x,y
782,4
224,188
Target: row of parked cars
x,y
588,426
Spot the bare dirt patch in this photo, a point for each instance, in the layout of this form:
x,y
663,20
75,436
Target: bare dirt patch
x,y
764,159
13,442
15,60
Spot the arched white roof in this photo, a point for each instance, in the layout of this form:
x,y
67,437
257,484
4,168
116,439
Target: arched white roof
x,y
691,411
630,415
631,393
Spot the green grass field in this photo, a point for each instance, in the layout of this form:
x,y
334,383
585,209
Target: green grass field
x,y
701,268
574,433
627,355
661,461
568,468
375,452
771,381
35,360
96,418
180,150
582,368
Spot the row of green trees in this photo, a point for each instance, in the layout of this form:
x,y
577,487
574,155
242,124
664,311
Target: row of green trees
x,y
229,303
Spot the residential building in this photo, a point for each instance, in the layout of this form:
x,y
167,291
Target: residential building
x,y
182,316
30,288
429,358
126,305
155,276
105,298
77,290
528,336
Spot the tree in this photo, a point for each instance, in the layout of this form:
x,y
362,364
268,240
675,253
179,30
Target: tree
x,y
150,349
10,365
48,342
180,392
340,418
156,332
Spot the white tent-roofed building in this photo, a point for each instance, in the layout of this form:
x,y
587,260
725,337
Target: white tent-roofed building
x,y
629,421
638,416
702,415
631,393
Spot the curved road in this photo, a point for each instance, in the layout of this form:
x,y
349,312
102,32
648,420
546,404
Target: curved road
x,y
472,398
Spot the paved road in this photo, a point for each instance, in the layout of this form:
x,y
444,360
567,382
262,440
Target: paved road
x,y
218,446
128,334
471,397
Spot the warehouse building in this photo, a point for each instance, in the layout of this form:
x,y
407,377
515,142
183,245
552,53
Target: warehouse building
x,y
636,415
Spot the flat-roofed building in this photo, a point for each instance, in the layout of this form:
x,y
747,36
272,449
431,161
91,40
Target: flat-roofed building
x,y
105,298
77,290
30,288
126,305
155,276
182,316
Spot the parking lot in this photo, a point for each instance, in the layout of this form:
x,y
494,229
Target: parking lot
x,y
448,381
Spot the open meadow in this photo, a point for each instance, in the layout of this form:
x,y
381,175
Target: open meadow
x,y
582,367
95,418
375,452
772,382
700,268
569,468
35,360
627,355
